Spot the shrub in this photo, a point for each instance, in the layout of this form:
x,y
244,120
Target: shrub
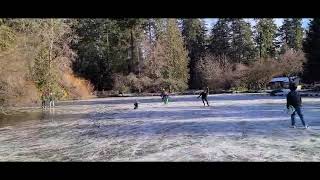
x,y
120,83
7,37
216,72
291,62
146,83
75,87
132,83
259,74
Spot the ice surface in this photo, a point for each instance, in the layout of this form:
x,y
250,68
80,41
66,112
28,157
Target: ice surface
x,y
236,127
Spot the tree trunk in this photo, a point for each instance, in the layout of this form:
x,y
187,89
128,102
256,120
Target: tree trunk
x,y
50,52
139,67
260,45
107,54
150,37
132,51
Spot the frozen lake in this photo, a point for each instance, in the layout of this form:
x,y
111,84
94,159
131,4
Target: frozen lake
x,y
236,127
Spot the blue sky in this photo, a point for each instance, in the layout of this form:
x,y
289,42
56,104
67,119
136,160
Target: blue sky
x,y
211,21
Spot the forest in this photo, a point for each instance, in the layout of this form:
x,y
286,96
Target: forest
x,y
75,57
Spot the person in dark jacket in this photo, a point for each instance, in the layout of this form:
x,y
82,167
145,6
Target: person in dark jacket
x,y
294,100
136,104
204,96
43,100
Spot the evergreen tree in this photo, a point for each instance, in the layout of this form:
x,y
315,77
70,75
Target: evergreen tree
x,y
243,50
176,56
54,38
108,46
291,33
133,29
220,38
266,37
194,34
298,33
285,31
159,28
311,48
91,61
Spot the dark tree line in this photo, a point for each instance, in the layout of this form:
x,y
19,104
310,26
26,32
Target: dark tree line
x,y
146,55
311,47
108,48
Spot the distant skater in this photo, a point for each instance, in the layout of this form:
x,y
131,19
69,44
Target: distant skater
x,y
165,96
294,100
43,100
204,96
136,104
51,100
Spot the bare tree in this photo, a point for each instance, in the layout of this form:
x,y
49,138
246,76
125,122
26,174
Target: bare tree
x,y
215,72
260,73
291,63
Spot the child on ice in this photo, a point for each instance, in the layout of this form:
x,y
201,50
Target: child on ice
x,y
165,96
136,104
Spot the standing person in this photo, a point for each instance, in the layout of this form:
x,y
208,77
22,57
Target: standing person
x,y
204,96
294,100
162,94
51,100
165,96
43,100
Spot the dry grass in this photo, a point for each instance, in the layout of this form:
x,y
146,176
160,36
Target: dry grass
x,y
75,87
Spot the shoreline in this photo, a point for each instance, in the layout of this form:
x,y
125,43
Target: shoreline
x,y
12,110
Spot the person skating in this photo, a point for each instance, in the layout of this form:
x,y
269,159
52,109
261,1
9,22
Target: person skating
x,y
136,104
204,96
294,100
165,96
